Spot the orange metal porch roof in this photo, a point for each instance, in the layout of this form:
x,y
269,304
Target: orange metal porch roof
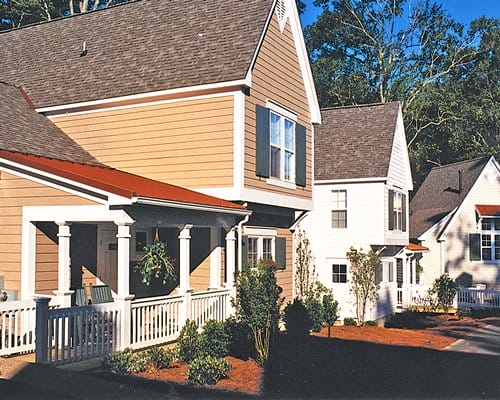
x,y
488,210
416,247
117,182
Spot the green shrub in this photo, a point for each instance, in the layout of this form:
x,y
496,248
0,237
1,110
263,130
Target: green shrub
x,y
240,339
158,358
296,319
370,323
215,339
189,342
350,322
464,312
124,362
315,312
410,320
330,308
208,370
444,290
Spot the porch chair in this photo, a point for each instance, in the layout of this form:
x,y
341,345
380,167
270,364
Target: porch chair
x,y
81,296
100,294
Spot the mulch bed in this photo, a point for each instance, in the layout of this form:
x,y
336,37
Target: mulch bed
x,y
245,376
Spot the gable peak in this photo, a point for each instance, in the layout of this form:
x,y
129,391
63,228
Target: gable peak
x,y
282,13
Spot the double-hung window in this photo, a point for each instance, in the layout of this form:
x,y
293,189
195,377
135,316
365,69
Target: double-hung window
x,y
339,209
339,273
261,245
280,146
397,211
282,151
490,239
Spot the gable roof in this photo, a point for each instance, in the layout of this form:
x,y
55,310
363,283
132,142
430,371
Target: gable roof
x,y
440,193
138,47
355,142
23,130
132,187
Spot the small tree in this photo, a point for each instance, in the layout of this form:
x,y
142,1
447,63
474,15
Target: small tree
x,y
330,308
444,289
258,305
363,283
305,271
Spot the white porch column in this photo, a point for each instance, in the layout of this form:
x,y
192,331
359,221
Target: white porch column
x,y
28,260
230,258
123,297
63,292
184,257
215,258
184,270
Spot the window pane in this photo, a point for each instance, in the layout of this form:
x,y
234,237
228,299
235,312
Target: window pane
x,y
486,253
289,135
275,162
497,224
288,165
267,251
486,224
339,273
252,251
275,130
339,219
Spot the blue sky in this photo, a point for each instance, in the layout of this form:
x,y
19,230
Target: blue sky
x,y
463,11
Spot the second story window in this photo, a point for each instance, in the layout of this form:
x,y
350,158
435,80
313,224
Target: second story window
x,y
339,209
490,239
280,146
397,211
339,273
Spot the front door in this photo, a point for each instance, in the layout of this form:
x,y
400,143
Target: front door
x,y
107,256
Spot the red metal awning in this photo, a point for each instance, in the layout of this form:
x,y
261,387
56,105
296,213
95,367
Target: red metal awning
x,y
416,247
488,210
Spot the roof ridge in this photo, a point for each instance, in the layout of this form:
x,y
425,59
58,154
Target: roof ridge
x,y
65,17
98,164
461,162
359,106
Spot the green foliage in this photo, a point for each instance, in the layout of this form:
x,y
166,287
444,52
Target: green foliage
x,y
444,289
464,312
350,322
208,370
156,264
296,319
370,323
124,362
158,357
363,283
410,320
189,342
215,339
257,305
315,313
240,338
330,310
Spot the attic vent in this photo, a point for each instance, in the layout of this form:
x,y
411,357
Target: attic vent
x,y
281,13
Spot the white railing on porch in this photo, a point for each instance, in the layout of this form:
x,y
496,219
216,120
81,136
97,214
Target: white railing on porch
x,y
17,326
478,298
79,333
212,304
155,320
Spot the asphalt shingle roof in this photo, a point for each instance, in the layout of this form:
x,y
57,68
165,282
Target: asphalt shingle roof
x,y
440,193
355,142
23,130
137,47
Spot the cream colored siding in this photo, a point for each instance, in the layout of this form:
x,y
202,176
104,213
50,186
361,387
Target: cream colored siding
x,y
15,193
46,265
276,77
187,143
200,276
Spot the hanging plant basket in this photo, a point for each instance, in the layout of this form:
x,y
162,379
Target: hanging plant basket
x,y
156,264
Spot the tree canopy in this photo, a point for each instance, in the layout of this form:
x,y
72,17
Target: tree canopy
x,y
445,76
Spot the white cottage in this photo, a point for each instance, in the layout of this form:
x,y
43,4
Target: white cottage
x,y
456,214
361,182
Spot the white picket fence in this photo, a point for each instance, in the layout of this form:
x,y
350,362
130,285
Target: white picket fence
x,y
478,298
210,305
17,326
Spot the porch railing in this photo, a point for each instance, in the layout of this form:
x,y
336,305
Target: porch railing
x,y
212,304
478,298
155,320
17,326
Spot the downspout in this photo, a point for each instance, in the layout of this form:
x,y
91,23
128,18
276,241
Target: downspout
x,y
441,256
240,240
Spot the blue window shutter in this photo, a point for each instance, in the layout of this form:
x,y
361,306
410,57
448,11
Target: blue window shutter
x,y
300,155
263,141
280,252
475,247
403,217
391,209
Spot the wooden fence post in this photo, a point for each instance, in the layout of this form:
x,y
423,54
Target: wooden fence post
x,y
42,329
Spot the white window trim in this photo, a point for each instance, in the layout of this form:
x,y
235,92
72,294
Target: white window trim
x,y
260,246
281,110
340,209
280,183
